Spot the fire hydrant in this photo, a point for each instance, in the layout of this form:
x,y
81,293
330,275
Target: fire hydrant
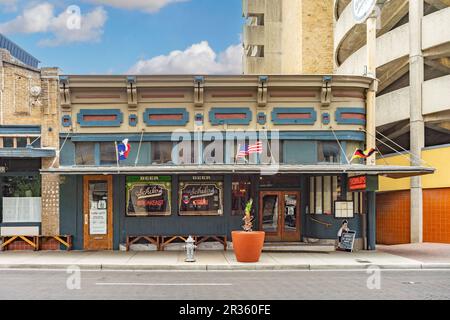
x,y
190,249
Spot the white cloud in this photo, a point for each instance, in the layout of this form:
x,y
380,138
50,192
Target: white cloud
x,y
41,18
145,5
199,58
8,5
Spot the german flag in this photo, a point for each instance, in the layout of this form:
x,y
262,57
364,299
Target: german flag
x,y
360,154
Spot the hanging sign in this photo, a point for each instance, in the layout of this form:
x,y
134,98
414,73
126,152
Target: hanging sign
x,y
362,9
148,196
202,199
363,183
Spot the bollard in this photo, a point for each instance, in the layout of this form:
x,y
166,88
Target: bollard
x,y
190,249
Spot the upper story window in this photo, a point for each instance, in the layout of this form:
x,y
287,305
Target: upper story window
x,y
328,152
161,152
108,155
85,154
19,142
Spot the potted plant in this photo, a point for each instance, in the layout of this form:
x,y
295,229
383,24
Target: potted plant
x,y
248,244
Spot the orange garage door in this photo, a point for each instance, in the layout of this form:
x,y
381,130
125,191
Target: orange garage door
x,y
436,215
393,217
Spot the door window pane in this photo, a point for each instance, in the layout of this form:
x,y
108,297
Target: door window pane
x,y
270,213
108,155
290,212
98,208
84,154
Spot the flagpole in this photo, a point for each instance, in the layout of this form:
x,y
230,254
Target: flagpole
x,y
139,148
117,157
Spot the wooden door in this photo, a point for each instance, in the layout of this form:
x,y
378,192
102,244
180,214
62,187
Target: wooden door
x,y
279,215
97,213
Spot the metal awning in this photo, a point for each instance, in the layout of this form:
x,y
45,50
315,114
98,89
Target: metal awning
x,y
27,153
387,171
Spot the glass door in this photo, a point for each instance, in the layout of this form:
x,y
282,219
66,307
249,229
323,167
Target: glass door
x,y
279,215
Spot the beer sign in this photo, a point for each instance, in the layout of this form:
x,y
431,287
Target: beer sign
x,y
363,183
148,196
201,199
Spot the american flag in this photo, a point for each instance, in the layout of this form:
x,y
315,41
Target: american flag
x,y
246,150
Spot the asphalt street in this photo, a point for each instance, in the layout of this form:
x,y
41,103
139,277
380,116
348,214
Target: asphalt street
x,y
229,285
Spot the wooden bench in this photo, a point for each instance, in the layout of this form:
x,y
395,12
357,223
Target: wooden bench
x,y
36,241
65,240
148,239
33,241
165,240
221,239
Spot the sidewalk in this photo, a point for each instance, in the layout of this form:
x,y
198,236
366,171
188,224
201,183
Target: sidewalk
x,y
426,256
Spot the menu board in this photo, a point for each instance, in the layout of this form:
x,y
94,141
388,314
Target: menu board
x,y
148,196
201,198
347,241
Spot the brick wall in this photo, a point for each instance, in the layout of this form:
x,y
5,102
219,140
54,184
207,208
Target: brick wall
x,y
317,36
19,107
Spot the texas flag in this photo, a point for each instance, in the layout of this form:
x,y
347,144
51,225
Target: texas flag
x,y
123,149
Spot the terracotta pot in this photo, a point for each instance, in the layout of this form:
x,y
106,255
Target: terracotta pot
x,y
248,245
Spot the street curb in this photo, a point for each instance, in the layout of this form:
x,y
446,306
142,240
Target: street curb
x,y
239,267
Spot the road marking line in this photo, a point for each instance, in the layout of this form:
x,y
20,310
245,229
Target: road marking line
x,y
163,284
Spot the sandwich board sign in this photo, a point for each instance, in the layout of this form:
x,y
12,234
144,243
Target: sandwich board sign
x,y
347,241
362,9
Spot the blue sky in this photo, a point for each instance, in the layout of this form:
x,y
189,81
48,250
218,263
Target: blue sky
x,y
128,36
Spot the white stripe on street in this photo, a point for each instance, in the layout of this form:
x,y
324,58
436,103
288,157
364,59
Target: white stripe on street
x,y
164,284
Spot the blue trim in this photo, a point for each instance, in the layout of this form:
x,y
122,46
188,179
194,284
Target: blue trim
x,y
20,224
27,153
215,121
261,118
325,118
20,130
68,123
349,135
102,112
172,111
18,53
340,120
310,111
133,120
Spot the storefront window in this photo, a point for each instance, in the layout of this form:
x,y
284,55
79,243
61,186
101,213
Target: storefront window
x,y
328,152
162,152
148,196
108,155
200,196
85,154
241,194
324,190
21,199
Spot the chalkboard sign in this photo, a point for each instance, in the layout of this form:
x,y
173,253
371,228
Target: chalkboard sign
x,y
148,196
202,199
347,241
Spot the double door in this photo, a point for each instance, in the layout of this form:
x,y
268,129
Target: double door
x,y
279,215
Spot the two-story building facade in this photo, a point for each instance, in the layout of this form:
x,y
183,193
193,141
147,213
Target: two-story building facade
x,y
199,147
